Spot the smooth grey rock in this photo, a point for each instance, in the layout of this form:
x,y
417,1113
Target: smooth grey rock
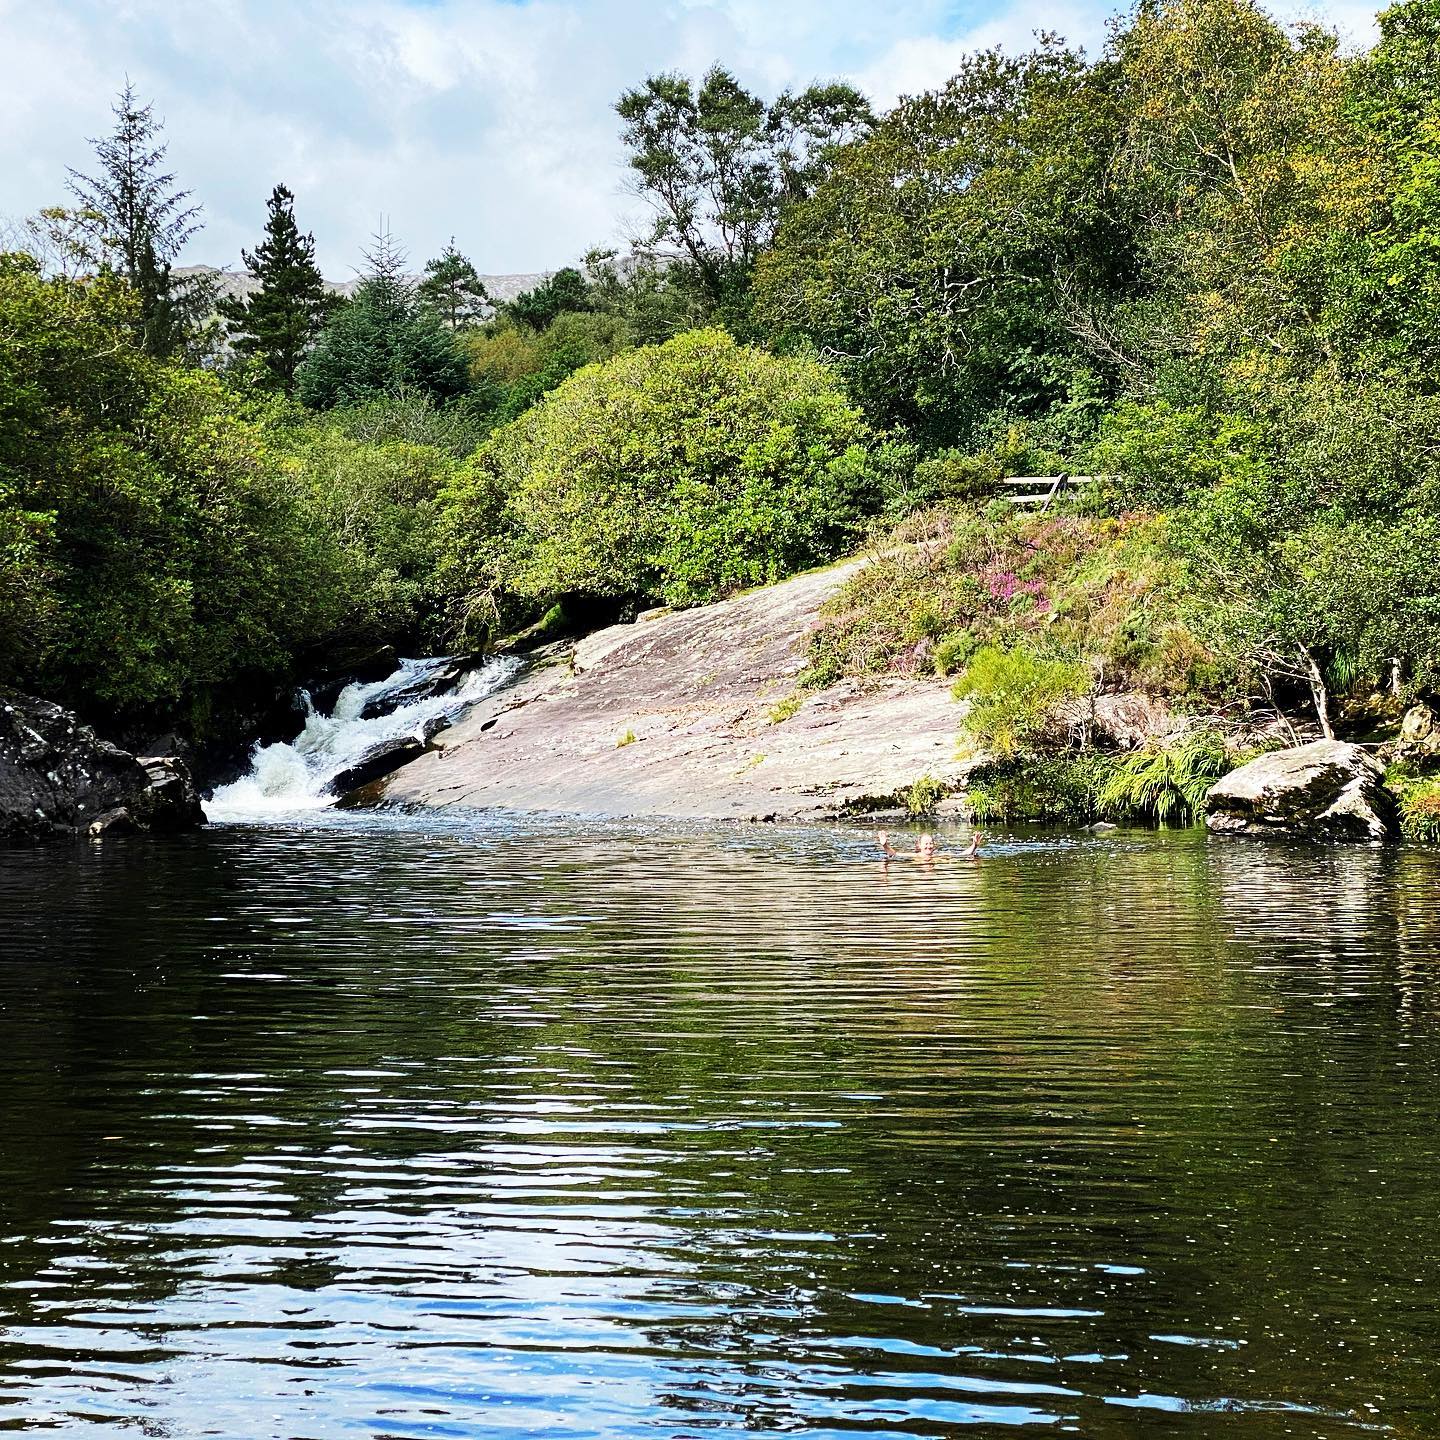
x,y
699,688
1326,790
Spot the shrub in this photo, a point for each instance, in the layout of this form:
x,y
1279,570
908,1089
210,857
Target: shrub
x,y
1048,788
954,652
1166,783
377,507
1419,800
1013,696
925,795
676,472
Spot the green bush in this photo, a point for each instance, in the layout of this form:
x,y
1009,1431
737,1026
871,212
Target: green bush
x,y
153,553
1013,696
676,472
1419,801
1058,789
1161,784
925,795
377,508
954,652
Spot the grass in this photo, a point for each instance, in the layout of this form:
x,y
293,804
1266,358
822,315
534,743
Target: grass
x,y
628,738
1167,784
925,795
782,710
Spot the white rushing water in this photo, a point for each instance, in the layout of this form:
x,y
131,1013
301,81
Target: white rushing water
x,y
295,775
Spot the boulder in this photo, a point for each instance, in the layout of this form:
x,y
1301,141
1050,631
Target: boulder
x,y
171,802
113,822
1419,728
384,760
57,777
422,687
1326,790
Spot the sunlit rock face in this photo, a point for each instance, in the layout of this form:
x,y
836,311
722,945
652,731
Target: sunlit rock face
x,y
1327,790
57,777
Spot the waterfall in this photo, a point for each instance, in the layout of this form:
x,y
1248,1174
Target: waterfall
x,y
295,775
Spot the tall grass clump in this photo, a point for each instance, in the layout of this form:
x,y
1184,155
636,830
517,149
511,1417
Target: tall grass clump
x,y
1166,784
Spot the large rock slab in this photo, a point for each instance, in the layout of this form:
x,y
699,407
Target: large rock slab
x,y
1326,790
58,777
693,714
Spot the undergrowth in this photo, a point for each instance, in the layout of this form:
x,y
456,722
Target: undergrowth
x,y
954,579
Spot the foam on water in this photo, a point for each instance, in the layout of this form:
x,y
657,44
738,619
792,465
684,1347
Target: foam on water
x,y
289,777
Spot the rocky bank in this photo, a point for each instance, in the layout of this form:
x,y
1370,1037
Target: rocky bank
x,y
693,713
57,777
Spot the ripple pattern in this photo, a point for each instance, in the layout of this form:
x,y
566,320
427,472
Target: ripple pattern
x,y
492,1127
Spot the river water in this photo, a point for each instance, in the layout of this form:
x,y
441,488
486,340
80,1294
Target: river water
x,y
419,1128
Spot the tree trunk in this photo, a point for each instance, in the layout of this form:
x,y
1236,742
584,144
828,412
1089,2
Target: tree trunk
x,y
1319,692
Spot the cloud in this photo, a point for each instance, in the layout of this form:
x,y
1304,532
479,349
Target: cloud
x,y
489,120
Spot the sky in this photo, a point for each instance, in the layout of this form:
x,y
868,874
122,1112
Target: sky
x,y
490,121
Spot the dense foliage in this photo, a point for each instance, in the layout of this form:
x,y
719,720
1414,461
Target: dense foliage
x,y
673,472
152,552
1203,266
384,342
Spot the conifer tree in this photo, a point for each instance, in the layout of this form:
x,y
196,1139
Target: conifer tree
x,y
278,323
137,223
452,288
383,343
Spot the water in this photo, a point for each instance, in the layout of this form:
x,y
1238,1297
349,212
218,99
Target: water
x,y
398,1128
291,776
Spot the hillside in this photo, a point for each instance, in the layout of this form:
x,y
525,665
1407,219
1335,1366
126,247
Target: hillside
x,y
233,283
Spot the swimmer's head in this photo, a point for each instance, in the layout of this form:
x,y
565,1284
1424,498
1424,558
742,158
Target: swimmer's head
x,y
925,845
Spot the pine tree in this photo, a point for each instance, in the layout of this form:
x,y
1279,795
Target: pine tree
x,y
452,288
278,323
383,343
138,223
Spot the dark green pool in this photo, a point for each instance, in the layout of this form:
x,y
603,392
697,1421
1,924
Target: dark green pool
x,y
401,1129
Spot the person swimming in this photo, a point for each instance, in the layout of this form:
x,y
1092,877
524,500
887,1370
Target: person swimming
x,y
925,848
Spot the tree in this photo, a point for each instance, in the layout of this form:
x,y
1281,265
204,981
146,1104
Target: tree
x,y
565,290
152,553
948,258
676,472
452,288
137,222
384,342
278,323
719,165
1397,306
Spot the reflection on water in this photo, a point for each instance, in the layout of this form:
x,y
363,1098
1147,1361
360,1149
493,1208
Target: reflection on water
x,y
398,1129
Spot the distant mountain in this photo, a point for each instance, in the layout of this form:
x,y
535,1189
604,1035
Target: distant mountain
x,y
233,283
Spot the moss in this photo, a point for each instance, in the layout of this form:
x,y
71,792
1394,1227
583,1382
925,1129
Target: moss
x,y
782,710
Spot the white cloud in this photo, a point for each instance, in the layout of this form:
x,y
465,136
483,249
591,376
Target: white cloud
x,y
485,119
